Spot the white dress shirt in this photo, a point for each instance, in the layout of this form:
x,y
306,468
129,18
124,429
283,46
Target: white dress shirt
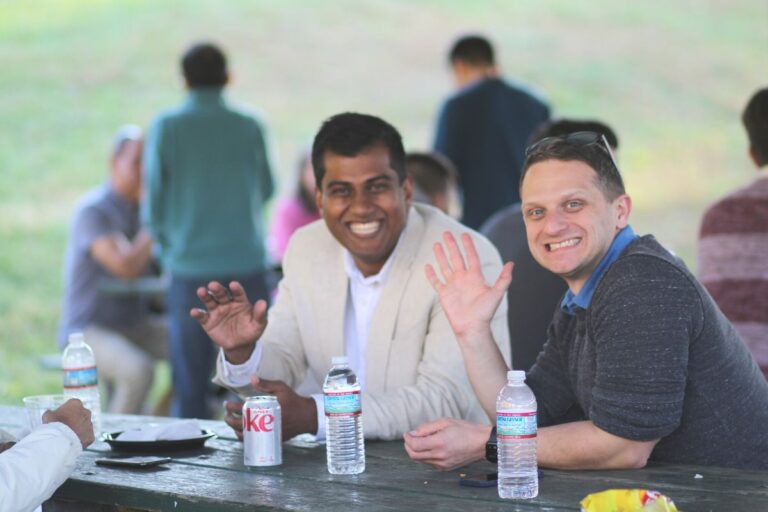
x,y
363,295
32,470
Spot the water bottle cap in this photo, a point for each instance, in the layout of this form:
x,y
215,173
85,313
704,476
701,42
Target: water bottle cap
x,y
337,360
76,338
516,376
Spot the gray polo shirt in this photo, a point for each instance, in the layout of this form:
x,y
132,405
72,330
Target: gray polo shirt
x,y
101,212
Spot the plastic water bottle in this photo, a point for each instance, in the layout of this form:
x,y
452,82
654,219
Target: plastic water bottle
x,y
516,439
80,376
344,445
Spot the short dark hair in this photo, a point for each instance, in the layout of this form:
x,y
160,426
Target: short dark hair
x,y
473,49
432,173
564,126
349,134
595,155
204,65
755,119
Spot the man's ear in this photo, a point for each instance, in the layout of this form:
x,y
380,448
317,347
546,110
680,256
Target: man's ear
x,y
319,200
623,207
752,156
408,189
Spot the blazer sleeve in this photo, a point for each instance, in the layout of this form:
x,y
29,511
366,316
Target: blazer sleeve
x,y
284,357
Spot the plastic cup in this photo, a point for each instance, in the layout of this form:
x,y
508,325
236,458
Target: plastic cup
x,y
38,404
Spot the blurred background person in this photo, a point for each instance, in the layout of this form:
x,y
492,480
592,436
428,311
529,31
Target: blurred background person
x,y
107,242
733,242
32,469
483,129
205,163
535,292
294,211
434,181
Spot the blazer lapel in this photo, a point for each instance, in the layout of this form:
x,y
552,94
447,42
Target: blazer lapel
x,y
385,316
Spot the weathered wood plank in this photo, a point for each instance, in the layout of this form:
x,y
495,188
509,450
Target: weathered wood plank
x,y
390,473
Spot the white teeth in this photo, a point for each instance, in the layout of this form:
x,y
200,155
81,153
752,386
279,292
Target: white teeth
x,y
566,243
365,228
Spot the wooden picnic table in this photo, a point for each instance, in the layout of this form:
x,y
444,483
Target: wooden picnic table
x,y
214,478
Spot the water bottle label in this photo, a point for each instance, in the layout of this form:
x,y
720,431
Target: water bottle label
x,y
342,404
80,377
515,425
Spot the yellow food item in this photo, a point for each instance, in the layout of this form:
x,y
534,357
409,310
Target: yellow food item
x,y
627,500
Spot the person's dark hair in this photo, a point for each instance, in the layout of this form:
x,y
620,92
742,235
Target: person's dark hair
x,y
473,49
563,126
349,134
432,173
755,119
204,65
595,155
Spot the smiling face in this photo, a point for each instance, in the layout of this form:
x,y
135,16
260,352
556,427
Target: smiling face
x,y
569,222
364,205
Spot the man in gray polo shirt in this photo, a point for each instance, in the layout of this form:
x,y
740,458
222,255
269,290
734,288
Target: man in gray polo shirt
x,y
106,242
639,363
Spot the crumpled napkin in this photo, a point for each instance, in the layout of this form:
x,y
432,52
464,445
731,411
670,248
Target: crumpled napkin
x,y
164,432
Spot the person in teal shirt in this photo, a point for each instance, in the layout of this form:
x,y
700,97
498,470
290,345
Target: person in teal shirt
x,y
205,164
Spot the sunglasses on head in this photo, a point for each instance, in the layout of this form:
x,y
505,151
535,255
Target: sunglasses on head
x,y
578,139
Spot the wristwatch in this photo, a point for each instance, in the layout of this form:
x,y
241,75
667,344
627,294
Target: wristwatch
x,y
490,447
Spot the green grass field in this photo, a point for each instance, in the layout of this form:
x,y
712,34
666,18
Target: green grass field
x,y
671,77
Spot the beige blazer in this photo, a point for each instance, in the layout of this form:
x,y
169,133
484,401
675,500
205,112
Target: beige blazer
x,y
415,372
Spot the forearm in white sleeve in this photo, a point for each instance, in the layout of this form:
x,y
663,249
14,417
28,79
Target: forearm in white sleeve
x,y
239,375
32,470
320,404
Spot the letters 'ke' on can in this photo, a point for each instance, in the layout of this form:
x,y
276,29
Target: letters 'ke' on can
x,y
262,432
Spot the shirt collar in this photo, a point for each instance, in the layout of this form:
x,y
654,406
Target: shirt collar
x,y
354,273
581,300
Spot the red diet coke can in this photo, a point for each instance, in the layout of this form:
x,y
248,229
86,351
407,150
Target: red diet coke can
x,y
262,432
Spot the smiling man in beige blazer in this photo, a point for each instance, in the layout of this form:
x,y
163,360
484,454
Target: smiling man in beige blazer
x,y
354,284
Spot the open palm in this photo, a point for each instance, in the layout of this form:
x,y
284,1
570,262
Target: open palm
x,y
230,320
469,303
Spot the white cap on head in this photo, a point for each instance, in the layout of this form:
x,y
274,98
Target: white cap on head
x,y
125,133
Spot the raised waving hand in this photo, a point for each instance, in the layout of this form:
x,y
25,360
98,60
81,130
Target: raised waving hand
x,y
469,304
230,319
468,301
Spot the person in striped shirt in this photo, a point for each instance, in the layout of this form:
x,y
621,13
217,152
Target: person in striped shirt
x,y
733,242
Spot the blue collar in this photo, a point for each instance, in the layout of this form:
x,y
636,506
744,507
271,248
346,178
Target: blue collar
x,y
581,300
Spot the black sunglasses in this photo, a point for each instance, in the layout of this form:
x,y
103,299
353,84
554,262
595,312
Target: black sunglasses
x,y
578,139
